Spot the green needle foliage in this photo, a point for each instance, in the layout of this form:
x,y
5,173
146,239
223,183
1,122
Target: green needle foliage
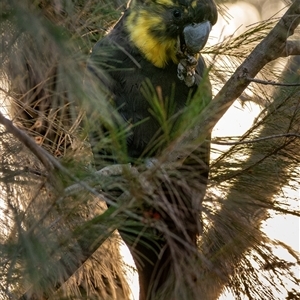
x,y
58,238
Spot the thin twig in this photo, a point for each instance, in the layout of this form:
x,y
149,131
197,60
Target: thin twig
x,y
27,141
275,136
271,82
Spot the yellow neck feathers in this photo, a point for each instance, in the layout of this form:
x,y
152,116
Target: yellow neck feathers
x,y
159,51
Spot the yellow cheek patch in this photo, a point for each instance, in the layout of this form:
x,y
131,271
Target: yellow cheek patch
x,y
157,50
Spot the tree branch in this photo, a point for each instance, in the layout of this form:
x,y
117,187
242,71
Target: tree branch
x,y
38,151
52,163
269,49
235,228
87,238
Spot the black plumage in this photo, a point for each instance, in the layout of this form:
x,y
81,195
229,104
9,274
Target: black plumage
x,y
122,66
127,70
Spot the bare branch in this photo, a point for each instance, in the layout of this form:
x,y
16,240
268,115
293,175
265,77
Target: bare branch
x,y
270,82
87,238
38,151
266,51
50,163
